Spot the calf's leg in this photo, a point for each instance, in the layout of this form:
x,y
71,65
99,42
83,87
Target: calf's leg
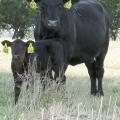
x,y
17,87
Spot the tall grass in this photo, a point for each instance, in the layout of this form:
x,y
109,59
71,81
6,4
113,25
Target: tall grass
x,y
74,103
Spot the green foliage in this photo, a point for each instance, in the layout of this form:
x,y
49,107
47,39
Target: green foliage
x,y
20,15
17,15
113,7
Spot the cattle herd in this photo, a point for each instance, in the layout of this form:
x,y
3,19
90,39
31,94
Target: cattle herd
x,y
65,37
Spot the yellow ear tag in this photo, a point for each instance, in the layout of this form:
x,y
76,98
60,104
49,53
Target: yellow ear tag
x,y
33,5
68,5
30,48
5,48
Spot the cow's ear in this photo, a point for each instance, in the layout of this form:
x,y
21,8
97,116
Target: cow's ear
x,y
64,1
74,1
6,42
37,1
29,0
34,1
30,46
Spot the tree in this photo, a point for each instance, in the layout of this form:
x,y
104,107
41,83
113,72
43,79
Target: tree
x,y
113,7
16,15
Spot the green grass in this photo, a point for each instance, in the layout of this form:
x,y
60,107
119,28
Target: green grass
x,y
72,103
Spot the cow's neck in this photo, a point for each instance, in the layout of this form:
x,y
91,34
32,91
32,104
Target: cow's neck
x,y
67,23
49,34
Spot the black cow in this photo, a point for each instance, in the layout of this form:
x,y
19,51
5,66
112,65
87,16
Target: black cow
x,y
50,57
83,31
20,62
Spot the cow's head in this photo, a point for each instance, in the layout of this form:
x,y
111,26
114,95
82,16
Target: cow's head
x,y
51,12
18,49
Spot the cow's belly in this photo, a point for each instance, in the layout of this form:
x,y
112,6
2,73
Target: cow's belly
x,y
81,57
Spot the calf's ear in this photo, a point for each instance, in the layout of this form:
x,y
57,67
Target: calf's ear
x,y
67,4
6,42
30,46
29,0
30,41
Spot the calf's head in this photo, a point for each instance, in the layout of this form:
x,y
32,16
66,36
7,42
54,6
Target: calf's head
x,y
18,49
42,56
49,54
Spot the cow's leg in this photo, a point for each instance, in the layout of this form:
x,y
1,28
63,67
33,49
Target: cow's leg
x,y
60,78
63,80
92,74
17,89
43,82
60,74
30,85
100,66
57,77
100,73
50,76
60,81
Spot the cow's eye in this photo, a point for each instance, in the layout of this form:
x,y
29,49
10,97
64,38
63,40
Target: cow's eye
x,y
60,6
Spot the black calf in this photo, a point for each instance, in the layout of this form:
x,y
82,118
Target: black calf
x,y
50,57
20,62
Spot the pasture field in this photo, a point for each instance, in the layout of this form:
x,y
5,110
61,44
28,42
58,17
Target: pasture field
x,y
72,103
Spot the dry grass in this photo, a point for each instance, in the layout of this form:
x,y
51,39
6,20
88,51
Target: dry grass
x,y
74,103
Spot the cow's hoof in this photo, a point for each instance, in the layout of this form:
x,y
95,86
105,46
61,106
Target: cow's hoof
x,y
100,93
94,92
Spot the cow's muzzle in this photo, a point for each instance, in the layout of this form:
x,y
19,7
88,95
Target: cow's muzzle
x,y
52,23
16,57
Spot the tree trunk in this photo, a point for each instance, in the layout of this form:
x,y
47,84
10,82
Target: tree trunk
x,y
15,33
19,33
